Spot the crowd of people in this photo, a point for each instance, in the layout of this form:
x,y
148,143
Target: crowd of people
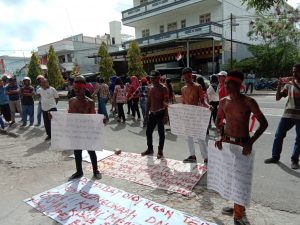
x,y
150,96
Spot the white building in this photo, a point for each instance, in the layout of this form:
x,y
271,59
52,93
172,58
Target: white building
x,y
200,28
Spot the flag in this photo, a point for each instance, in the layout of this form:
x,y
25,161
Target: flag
x,y
178,56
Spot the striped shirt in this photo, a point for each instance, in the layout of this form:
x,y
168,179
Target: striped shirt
x,y
292,107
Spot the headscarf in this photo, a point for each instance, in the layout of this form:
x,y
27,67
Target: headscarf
x,y
135,82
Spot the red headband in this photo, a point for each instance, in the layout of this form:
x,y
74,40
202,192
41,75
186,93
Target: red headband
x,y
79,85
234,79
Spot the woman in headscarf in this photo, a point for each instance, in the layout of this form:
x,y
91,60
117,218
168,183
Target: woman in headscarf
x,y
135,99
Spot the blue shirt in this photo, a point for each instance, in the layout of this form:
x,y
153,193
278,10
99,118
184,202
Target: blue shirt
x,y
3,96
13,97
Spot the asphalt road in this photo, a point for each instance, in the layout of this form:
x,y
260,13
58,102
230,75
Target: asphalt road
x,y
275,186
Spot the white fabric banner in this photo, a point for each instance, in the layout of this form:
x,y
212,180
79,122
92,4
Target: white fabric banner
x,y
100,155
89,202
189,120
77,131
230,172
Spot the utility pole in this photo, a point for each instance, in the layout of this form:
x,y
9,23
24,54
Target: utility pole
x,y
231,24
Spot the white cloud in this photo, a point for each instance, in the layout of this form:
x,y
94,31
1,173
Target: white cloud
x,y
27,24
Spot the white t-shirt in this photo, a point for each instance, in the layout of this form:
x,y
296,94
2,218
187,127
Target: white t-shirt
x,y
212,95
48,97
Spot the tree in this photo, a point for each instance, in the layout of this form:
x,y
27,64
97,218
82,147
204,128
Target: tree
x,y
279,39
106,63
263,5
54,75
135,65
34,68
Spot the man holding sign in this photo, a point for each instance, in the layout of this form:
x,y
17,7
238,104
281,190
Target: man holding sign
x,y
193,94
236,109
82,105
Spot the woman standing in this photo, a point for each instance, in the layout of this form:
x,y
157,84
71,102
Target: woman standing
x,y
135,99
119,98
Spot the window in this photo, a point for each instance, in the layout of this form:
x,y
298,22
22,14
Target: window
x,y
161,29
61,59
145,33
172,26
234,24
205,18
69,57
143,2
113,41
183,23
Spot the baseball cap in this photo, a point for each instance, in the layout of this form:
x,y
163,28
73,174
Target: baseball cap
x,y
222,73
154,73
187,70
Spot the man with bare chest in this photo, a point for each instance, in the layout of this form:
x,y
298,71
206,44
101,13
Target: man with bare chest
x,y
235,109
156,114
82,105
192,94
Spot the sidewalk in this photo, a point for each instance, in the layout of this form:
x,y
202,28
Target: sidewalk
x,y
28,167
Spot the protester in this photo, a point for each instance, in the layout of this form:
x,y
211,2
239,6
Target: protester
x,y
82,105
102,92
49,100
135,99
156,114
250,80
89,86
129,101
13,92
27,93
4,102
142,93
213,97
39,109
221,87
193,94
170,91
119,99
289,119
111,88
237,108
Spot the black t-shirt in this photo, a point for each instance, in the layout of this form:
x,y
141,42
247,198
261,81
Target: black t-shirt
x,y
13,97
27,100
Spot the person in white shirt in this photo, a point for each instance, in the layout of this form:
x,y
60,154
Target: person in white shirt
x,y
213,97
49,100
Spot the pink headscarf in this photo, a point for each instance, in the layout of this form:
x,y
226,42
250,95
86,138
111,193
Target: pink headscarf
x,y
135,82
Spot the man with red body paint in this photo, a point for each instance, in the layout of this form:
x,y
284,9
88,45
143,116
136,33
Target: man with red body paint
x,y
236,108
83,105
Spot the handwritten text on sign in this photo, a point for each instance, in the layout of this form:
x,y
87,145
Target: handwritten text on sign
x,y
189,120
77,131
90,202
230,173
167,174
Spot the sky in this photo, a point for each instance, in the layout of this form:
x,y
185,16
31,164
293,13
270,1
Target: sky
x,y
27,24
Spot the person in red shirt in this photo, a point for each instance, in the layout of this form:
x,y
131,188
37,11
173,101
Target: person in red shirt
x,y
221,88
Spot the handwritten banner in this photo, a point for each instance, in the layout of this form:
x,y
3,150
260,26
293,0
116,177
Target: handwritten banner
x,y
77,131
189,120
90,202
100,155
167,174
230,172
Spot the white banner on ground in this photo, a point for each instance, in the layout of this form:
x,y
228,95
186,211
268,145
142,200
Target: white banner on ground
x,y
189,120
77,131
167,174
89,202
230,172
100,155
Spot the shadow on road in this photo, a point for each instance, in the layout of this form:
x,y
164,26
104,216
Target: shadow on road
x,y
41,147
288,170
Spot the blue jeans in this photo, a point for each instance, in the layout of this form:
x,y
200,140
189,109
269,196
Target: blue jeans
x,y
27,110
1,123
39,113
143,103
102,106
284,126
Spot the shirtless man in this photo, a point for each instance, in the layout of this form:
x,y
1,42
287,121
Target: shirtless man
x,y
82,105
157,106
192,94
236,109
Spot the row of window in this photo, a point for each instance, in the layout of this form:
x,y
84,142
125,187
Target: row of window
x,y
62,58
173,26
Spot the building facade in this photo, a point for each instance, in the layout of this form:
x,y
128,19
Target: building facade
x,y
207,33
12,65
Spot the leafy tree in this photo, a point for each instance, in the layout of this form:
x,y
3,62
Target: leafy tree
x,y
106,63
262,5
34,68
135,65
54,75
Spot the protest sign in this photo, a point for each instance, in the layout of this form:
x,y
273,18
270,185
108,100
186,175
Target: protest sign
x,y
189,120
100,155
90,202
230,172
77,131
167,174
